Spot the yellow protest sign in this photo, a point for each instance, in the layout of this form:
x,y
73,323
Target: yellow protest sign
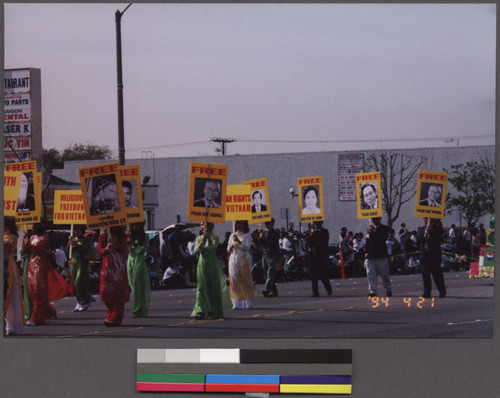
x,y
431,194
132,195
102,195
207,192
261,206
311,205
238,202
369,196
23,193
69,207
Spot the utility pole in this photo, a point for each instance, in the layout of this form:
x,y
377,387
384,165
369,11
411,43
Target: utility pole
x,y
222,142
119,78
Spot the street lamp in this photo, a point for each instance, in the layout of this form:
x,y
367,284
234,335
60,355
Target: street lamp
x,y
294,195
119,78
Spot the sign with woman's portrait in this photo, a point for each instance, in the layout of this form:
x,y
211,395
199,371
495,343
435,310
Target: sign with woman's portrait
x,y
261,208
431,194
132,195
207,192
311,199
369,198
103,195
23,192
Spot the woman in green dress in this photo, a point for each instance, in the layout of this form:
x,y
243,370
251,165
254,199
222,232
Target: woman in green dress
x,y
80,250
212,294
137,270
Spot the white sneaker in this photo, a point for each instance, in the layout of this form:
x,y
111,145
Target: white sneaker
x,y
30,323
78,308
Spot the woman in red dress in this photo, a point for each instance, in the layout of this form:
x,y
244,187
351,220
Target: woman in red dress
x,y
44,283
114,287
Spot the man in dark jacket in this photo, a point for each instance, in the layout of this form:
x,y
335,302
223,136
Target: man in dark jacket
x,y
429,238
318,244
269,242
377,258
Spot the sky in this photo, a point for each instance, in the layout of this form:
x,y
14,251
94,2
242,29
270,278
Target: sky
x,y
273,77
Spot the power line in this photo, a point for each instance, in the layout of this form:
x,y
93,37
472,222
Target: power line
x,y
353,141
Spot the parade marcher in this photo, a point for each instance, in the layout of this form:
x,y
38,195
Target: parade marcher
x,y
269,242
212,295
241,286
25,261
430,257
137,271
80,276
318,244
13,300
114,289
44,283
377,258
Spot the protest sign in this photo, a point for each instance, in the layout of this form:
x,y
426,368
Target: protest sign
x,y
311,205
132,195
69,207
261,207
431,194
207,192
238,202
369,196
102,195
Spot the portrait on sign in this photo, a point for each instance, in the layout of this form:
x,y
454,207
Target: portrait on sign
x,y
207,192
102,194
258,201
369,196
26,196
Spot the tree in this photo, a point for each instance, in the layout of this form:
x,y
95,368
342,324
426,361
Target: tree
x,y
474,183
398,180
55,159
52,158
86,152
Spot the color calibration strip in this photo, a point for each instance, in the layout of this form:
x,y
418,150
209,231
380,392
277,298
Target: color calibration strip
x,y
163,370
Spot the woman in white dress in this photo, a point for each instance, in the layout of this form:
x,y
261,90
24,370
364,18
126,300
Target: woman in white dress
x,y
241,286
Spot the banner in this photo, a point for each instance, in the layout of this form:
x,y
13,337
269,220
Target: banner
x,y
311,205
261,207
102,195
369,196
207,192
69,207
431,194
238,203
132,195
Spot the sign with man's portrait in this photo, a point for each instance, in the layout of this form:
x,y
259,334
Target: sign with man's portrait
x,y
431,194
238,203
311,199
369,198
207,192
102,195
261,209
132,195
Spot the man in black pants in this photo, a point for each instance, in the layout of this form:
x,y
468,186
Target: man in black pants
x,y
429,238
318,244
269,242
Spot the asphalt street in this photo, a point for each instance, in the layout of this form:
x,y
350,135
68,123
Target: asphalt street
x,y
466,312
